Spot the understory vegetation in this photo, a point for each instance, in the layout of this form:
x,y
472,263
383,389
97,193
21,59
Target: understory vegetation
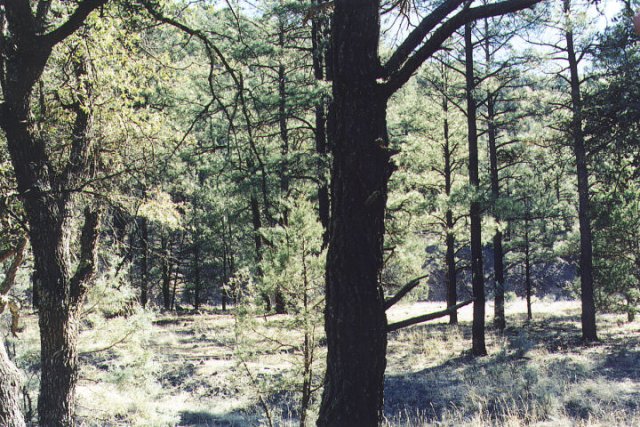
x,y
155,369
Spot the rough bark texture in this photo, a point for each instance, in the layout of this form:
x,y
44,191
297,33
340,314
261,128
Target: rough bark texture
x,y
47,200
10,376
355,316
586,245
10,380
478,342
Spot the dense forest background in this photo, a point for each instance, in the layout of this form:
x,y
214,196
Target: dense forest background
x,y
236,213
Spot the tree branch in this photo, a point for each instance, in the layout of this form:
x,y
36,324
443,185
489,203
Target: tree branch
x,y
426,317
403,291
10,274
398,78
88,254
418,34
74,22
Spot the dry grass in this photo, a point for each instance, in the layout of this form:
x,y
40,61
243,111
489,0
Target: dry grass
x,y
189,371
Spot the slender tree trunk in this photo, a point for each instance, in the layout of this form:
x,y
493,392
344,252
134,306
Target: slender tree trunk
x,y
197,290
450,258
498,256
166,272
478,341
280,304
355,320
527,265
144,262
319,54
257,238
586,245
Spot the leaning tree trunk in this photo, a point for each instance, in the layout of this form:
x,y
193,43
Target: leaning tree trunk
x,y
355,320
10,380
477,280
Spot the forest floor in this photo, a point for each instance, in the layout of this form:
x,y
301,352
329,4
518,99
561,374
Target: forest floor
x,y
190,370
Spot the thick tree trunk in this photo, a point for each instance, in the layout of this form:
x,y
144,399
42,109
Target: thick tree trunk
x,y
355,319
586,245
10,381
478,341
46,196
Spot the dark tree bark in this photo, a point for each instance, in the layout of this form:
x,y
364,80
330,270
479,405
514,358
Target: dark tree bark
x,y
450,257
355,319
47,199
280,304
492,132
320,134
498,254
144,262
257,238
197,280
166,267
477,280
527,261
586,245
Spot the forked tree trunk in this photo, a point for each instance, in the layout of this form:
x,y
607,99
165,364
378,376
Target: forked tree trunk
x,y
353,392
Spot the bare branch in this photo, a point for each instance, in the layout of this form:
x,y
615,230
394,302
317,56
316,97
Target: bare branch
x,y
403,291
426,317
398,78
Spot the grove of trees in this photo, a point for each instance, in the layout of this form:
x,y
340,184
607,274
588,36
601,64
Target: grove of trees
x,y
311,157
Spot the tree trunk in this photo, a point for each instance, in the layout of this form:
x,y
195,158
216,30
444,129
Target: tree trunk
x,y
166,272
144,262
527,262
320,134
257,238
586,245
10,381
498,256
197,290
450,258
478,344
355,320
